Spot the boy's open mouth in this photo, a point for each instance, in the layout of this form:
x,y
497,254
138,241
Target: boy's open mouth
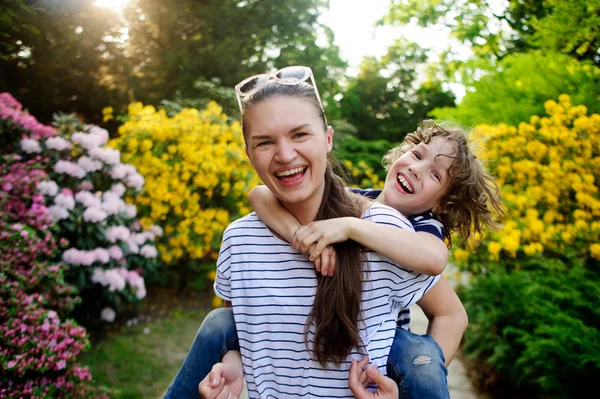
x,y
405,184
291,175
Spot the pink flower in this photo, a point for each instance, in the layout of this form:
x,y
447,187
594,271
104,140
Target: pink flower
x,y
24,233
58,212
115,252
107,315
58,144
88,199
65,200
48,187
157,230
94,215
7,187
61,364
30,146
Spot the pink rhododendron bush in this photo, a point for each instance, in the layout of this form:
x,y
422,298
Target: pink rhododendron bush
x,y
70,247
38,343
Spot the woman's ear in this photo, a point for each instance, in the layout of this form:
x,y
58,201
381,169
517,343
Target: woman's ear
x,y
248,154
329,138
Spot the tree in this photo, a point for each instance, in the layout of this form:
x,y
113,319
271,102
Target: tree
x,y
570,27
63,62
520,87
385,101
85,57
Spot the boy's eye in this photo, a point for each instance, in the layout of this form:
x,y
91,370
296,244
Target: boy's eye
x,y
417,155
437,176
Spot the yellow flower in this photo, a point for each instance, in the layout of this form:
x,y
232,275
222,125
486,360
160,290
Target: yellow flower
x,y
107,114
460,255
217,302
595,251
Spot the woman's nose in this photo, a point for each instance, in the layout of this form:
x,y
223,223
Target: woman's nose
x,y
286,152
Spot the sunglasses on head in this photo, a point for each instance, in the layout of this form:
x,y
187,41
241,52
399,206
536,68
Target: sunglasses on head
x,y
289,76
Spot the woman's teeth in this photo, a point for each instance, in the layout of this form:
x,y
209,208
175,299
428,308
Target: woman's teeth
x,y
405,184
290,172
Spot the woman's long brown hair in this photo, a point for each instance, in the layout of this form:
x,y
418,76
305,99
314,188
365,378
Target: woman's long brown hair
x,y
336,309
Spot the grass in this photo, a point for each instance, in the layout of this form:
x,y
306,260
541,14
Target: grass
x,y
141,361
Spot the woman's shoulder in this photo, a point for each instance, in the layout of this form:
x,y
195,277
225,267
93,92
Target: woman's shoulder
x,y
379,213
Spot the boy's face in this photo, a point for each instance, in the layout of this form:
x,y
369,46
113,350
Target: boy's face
x,y
419,179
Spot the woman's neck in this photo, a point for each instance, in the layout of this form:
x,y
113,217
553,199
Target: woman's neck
x,y
307,210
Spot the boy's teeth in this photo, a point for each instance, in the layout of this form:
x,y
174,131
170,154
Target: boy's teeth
x,y
290,172
404,184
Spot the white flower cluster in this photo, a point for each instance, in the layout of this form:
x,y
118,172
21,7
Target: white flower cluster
x,y
97,157
117,279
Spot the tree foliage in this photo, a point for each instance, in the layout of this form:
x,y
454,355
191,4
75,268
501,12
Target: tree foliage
x,y
520,86
385,100
81,57
570,27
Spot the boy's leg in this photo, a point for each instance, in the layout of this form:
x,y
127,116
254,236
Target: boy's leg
x,y
216,336
417,364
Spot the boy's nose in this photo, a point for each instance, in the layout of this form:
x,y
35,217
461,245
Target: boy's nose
x,y
414,170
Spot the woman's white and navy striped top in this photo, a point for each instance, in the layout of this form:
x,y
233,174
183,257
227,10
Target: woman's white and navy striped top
x,y
272,287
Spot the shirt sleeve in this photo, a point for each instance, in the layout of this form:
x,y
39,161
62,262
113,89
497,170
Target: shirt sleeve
x,y
428,224
222,284
410,285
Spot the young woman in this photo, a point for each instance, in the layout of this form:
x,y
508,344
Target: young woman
x,y
298,332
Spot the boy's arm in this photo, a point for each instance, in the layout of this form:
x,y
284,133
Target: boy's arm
x,y
272,213
447,317
422,252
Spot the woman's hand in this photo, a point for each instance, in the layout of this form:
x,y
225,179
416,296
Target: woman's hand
x,y
359,379
225,381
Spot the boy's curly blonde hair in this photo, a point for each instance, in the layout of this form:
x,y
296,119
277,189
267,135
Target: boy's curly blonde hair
x,y
473,200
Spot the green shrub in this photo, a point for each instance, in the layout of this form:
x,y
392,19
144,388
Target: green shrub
x,y
535,331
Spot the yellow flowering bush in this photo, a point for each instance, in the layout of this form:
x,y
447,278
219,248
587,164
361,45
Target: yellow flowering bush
x,y
549,173
363,176
197,177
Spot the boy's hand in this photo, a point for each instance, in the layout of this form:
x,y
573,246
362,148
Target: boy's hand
x,y
321,233
359,379
225,381
326,262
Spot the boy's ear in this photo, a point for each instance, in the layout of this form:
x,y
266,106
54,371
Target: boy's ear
x,y
329,138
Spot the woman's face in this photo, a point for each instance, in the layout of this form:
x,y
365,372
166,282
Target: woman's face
x,y
287,144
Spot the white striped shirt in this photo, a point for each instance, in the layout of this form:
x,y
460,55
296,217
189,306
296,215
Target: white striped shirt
x,y
272,288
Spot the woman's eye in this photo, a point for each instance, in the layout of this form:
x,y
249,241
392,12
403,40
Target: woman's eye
x,y
300,135
264,143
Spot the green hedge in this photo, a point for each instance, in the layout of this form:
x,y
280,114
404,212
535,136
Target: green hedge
x,y
535,331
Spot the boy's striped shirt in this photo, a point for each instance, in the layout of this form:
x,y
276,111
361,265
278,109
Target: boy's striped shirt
x,y
272,289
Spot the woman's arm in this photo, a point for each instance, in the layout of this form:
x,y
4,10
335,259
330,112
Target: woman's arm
x,y
422,252
447,317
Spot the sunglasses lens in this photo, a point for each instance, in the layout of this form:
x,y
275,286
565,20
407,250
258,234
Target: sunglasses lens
x,y
248,86
292,74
